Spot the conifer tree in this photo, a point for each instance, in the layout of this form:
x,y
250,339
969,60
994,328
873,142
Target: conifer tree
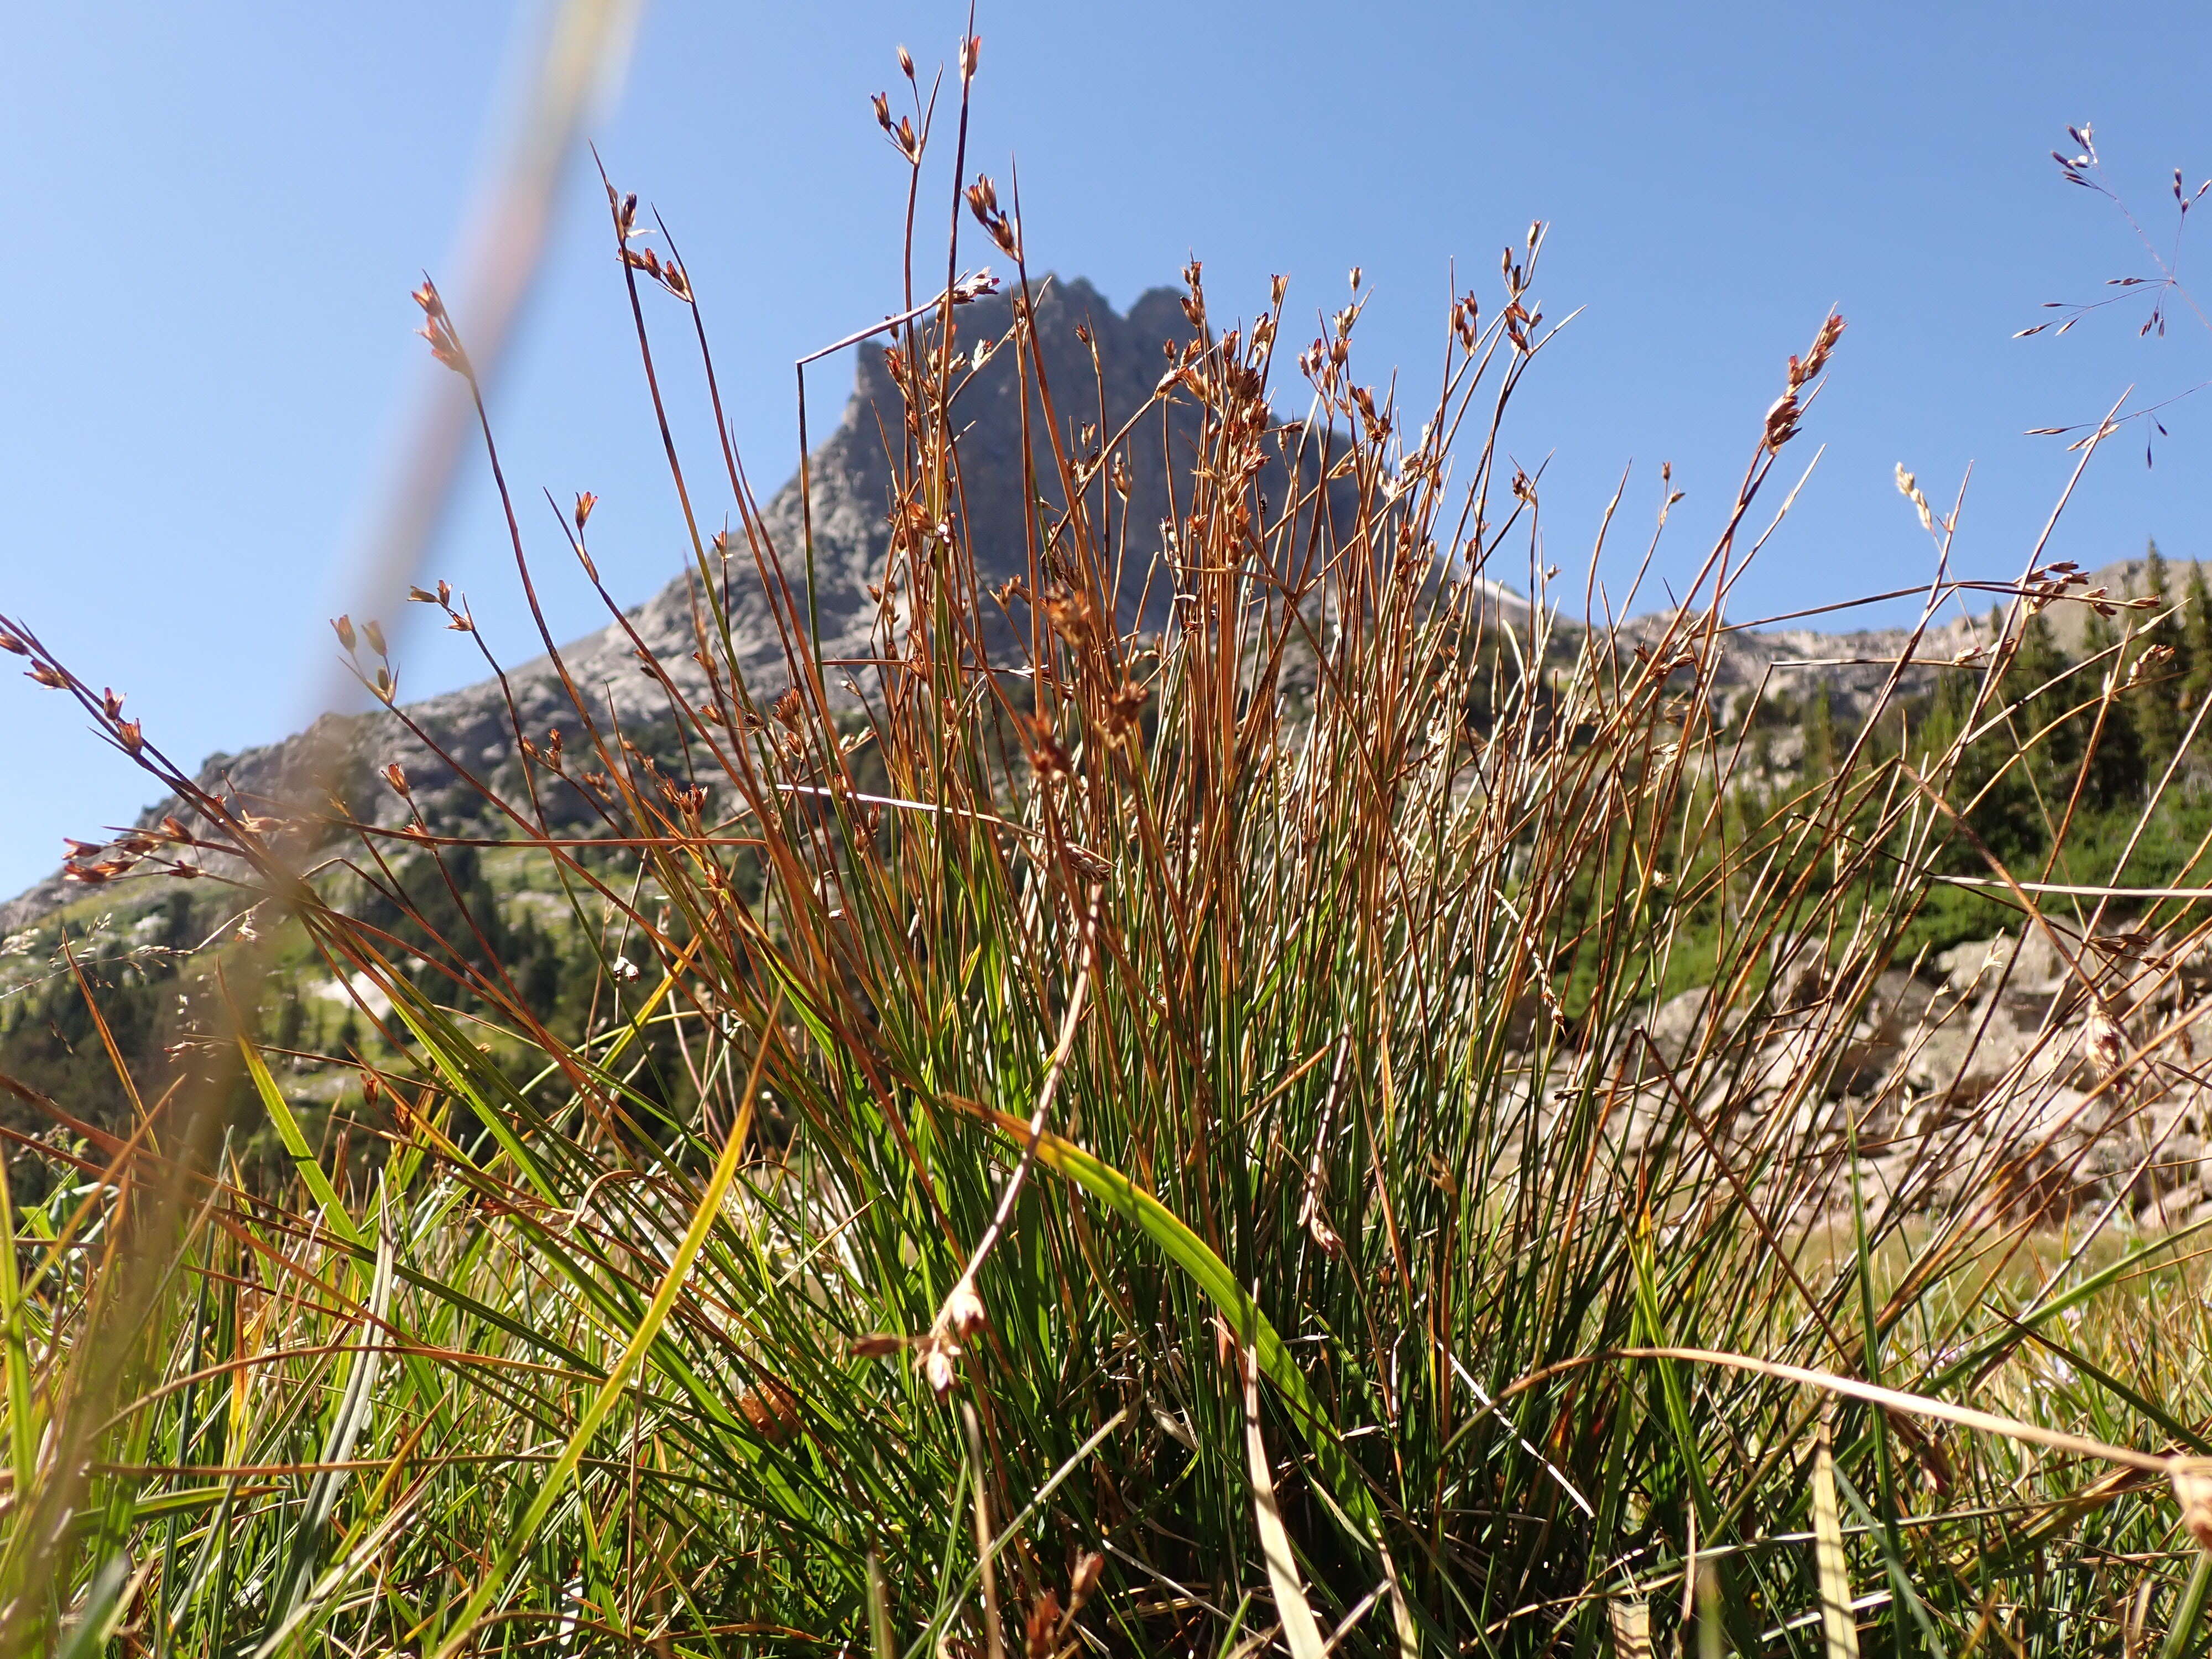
x,y
1820,736
2116,768
2027,765
2155,573
2028,679
1992,772
2196,639
291,1018
2157,702
1946,719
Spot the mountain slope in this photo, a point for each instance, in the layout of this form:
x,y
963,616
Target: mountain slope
x,y
1095,361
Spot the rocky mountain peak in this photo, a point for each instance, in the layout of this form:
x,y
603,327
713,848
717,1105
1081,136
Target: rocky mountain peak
x,y
1098,378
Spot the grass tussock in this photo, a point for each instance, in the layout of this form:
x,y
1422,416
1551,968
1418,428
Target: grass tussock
x,y
1118,1125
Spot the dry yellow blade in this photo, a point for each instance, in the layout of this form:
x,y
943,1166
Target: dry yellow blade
x,y
1631,1626
1300,1633
1401,1616
1838,1629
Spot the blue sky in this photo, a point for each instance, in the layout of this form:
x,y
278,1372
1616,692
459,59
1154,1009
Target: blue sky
x,y
205,346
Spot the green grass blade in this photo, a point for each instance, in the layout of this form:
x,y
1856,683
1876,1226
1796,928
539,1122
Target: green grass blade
x,y
557,1480
1212,1278
295,1143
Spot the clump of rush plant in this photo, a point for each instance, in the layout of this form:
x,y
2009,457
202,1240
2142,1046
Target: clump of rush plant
x,y
1175,1158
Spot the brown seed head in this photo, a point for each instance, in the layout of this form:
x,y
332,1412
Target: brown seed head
x,y
344,626
1781,420
973,287
1084,1581
374,634
2104,1043
1041,1630
1046,755
962,1314
935,1361
769,1412
1123,707
1071,617
394,776
438,329
1803,369
983,203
